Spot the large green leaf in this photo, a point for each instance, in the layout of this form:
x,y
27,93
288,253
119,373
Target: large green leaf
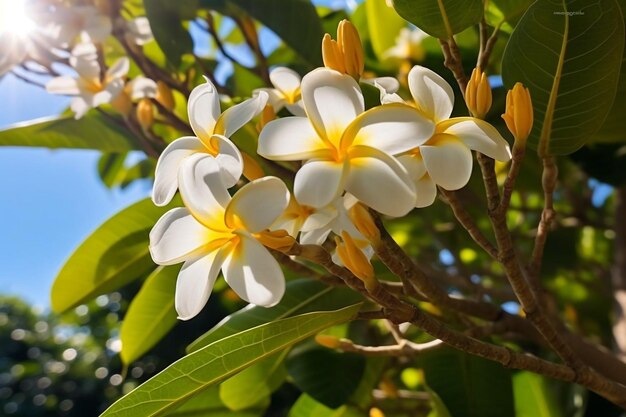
x,y
534,396
151,314
441,18
199,370
329,376
208,403
506,11
255,383
92,131
301,296
306,406
166,20
115,254
383,25
568,53
469,386
295,21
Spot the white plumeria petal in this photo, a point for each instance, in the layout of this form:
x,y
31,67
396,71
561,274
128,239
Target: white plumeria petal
x,y
432,94
229,159
106,95
296,109
319,182
139,30
393,129
448,162
388,85
201,188
315,237
84,60
166,173
235,117
177,236
203,109
142,87
290,139
258,204
425,191
414,166
331,100
321,218
79,106
195,283
286,80
390,98
119,69
380,182
253,273
63,85
479,136
274,98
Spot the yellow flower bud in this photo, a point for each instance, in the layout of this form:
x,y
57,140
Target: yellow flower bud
x,y
122,104
363,221
145,113
278,240
376,412
328,341
165,96
478,94
356,261
519,112
346,54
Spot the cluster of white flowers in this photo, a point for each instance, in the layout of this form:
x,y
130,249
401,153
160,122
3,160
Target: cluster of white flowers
x,y
389,158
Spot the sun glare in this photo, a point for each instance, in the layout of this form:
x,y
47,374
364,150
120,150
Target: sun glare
x,y
14,17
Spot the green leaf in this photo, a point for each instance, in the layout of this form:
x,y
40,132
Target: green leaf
x,y
439,408
151,314
166,20
111,168
506,11
469,386
92,131
384,25
329,376
208,403
301,296
441,18
115,254
534,396
255,383
306,406
295,21
568,53
199,370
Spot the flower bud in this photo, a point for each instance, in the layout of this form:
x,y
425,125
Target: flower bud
x,y
478,94
278,240
356,261
363,221
122,104
145,113
164,96
346,53
328,341
376,412
519,112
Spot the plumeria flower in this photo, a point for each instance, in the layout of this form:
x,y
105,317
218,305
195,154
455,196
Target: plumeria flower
x,y
83,23
286,91
212,129
138,31
345,148
216,232
408,45
446,158
91,89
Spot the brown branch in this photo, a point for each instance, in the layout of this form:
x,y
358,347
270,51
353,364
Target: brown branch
x,y
452,61
406,348
518,152
486,44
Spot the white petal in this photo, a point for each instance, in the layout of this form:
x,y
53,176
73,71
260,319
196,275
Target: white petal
x,y
104,96
84,60
202,189
290,139
414,165
274,98
387,85
448,162
142,87
479,136
253,273
433,95
390,98
315,237
63,85
296,109
425,191
139,30
166,174
320,218
195,283
319,182
235,117
393,129
258,204
203,109
331,100
79,106
176,237
286,80
230,161
379,181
